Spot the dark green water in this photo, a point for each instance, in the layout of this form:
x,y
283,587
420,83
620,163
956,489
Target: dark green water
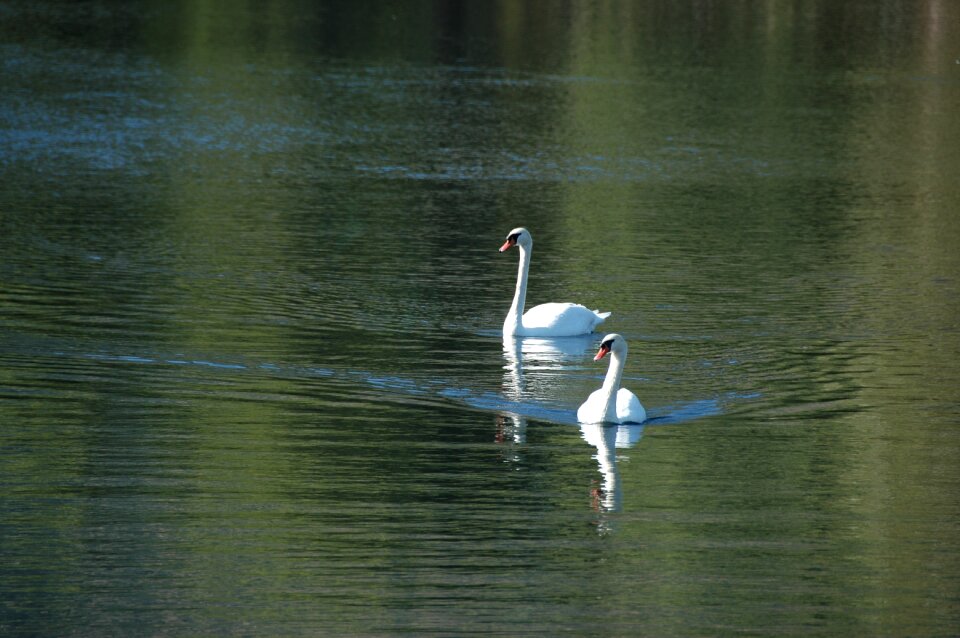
x,y
251,376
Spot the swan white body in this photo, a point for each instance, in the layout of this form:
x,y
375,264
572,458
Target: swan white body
x,y
611,403
549,319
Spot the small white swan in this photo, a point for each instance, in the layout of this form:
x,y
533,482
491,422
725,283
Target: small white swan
x,y
611,403
549,319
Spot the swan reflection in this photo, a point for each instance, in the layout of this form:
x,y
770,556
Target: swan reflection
x,y
540,359
607,439
511,428
548,352
544,357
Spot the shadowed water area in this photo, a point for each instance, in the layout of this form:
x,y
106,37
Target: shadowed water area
x,y
252,380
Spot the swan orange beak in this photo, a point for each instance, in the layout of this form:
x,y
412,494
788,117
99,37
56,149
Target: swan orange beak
x,y
604,350
507,245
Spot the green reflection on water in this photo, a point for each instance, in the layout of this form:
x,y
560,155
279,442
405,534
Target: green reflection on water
x,y
230,210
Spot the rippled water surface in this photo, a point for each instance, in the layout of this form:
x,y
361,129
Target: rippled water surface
x,y
252,380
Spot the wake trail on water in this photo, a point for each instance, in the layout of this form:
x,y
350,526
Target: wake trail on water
x,y
389,387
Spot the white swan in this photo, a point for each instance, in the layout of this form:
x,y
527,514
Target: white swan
x,y
611,403
545,320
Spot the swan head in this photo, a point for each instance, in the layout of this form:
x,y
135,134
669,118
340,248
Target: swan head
x,y
519,235
612,343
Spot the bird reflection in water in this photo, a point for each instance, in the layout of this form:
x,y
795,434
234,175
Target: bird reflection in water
x,y
512,428
607,438
545,360
534,368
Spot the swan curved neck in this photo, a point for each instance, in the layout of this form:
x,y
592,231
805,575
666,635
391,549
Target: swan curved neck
x,y
514,317
611,384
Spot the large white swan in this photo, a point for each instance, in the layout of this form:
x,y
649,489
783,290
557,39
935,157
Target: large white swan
x,y
545,320
611,403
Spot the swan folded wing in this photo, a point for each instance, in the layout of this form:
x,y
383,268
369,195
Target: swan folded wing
x,y
563,318
591,410
629,408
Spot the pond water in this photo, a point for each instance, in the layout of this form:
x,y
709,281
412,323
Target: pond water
x,y
252,380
